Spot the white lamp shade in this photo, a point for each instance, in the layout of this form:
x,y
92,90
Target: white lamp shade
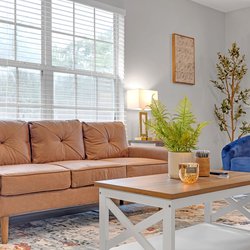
x,y
139,99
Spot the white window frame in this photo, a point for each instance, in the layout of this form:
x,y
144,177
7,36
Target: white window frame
x,y
47,69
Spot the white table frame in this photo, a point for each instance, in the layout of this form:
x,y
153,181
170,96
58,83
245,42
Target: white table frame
x,y
166,214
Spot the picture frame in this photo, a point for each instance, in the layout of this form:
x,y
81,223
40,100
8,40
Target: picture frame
x,y
143,127
183,59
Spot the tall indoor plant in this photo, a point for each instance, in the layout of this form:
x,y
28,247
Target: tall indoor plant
x,y
231,69
179,132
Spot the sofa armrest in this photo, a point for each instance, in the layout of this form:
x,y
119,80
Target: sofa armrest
x,y
158,153
227,154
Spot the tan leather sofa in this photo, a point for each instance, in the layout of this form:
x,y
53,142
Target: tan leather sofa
x,y
54,164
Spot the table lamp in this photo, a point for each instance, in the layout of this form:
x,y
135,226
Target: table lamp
x,y
139,99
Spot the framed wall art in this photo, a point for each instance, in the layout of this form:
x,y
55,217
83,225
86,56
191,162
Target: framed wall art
x,y
183,59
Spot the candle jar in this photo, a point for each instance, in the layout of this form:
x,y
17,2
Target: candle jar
x,y
204,166
202,158
189,172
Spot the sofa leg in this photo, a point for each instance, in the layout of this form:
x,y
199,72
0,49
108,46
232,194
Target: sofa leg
x,y
5,229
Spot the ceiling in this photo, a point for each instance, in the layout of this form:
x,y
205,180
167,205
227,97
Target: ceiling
x,y
225,5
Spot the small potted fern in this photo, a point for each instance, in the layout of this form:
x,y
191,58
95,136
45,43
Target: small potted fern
x,y
178,132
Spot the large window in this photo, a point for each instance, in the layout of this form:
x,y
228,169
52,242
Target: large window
x,y
61,59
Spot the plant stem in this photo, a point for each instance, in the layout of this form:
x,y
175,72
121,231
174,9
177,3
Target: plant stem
x,y
232,104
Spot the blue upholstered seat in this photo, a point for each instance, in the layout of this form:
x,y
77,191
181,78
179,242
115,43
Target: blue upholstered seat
x,y
236,155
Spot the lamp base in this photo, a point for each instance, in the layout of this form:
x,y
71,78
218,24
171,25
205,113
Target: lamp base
x,y
143,138
143,119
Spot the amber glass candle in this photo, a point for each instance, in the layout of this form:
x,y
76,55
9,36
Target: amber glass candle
x,y
189,172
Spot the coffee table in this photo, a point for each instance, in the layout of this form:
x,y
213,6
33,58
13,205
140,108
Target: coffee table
x,y
169,195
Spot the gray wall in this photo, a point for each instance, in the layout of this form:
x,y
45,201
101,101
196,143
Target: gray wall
x,y
149,25
237,30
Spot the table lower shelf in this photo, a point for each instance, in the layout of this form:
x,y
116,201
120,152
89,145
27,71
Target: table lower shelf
x,y
202,236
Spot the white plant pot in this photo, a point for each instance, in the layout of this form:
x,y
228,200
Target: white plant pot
x,y
174,159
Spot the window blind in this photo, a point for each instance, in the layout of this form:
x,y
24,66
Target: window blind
x,y
61,59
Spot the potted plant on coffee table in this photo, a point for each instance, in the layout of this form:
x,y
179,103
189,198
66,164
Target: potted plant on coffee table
x,y
179,132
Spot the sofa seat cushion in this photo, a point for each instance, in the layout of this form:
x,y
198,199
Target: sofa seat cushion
x,y
241,164
86,172
14,143
141,166
105,140
56,141
32,178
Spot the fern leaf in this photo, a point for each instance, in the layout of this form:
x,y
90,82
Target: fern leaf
x,y
178,132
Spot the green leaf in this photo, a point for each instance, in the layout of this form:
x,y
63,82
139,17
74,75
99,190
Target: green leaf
x,y
179,132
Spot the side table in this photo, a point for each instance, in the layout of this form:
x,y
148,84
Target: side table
x,y
146,143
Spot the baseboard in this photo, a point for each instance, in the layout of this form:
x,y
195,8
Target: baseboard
x,y
25,218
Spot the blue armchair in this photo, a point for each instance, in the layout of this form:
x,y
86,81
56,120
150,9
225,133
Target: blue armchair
x,y
236,155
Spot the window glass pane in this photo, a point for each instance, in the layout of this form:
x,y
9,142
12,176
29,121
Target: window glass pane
x,y
104,25
106,93
84,53
64,89
7,41
29,113
106,115
63,113
28,44
29,86
86,91
8,88
120,48
84,21
62,50
29,12
62,16
104,57
87,115
7,10
8,112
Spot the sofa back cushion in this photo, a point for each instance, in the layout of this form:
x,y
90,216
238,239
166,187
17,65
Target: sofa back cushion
x,y
56,141
105,140
14,143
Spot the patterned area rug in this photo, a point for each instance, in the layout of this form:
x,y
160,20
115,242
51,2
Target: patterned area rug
x,y
81,231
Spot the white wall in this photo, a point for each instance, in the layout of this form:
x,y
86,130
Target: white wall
x,y
149,25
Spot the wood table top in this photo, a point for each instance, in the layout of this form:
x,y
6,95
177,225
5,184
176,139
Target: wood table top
x,y
162,186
